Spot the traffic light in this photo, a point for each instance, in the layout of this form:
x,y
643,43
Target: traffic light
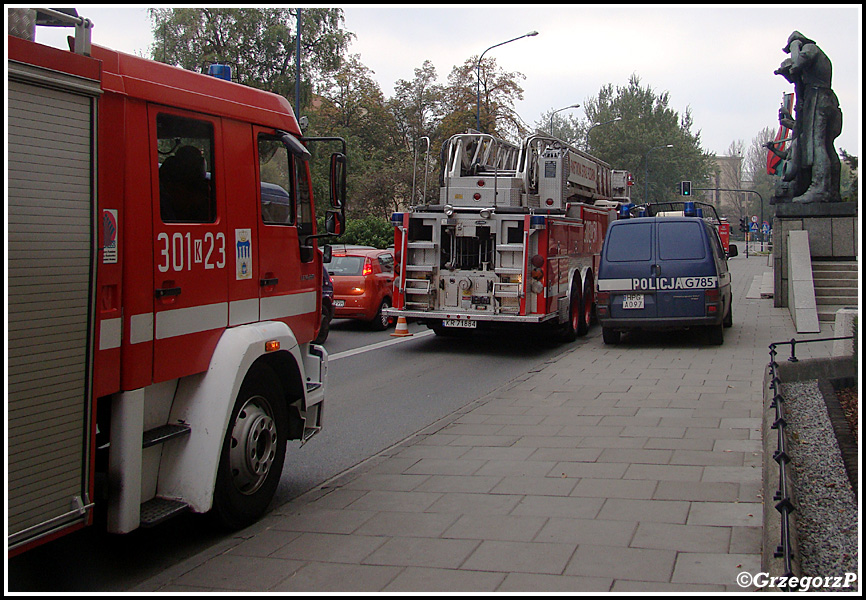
x,y
743,227
687,188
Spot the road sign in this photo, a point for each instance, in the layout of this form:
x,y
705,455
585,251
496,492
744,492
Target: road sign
x,y
753,228
754,218
766,227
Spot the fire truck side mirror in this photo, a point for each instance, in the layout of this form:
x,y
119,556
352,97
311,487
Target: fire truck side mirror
x,y
338,181
335,219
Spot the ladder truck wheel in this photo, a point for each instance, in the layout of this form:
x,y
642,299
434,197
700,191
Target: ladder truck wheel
x,y
586,305
568,331
253,451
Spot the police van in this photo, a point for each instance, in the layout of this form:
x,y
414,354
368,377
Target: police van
x,y
663,272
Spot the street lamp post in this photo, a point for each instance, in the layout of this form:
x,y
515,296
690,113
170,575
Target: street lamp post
x,y
560,110
478,76
594,125
646,170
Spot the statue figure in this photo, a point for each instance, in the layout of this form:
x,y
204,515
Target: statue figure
x,y
811,169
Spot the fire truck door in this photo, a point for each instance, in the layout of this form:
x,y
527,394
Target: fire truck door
x,y
191,250
290,269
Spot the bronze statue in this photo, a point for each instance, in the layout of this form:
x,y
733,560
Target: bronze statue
x,y
810,172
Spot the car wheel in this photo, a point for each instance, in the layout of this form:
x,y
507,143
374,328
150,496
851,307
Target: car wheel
x,y
381,322
610,336
715,335
729,316
253,452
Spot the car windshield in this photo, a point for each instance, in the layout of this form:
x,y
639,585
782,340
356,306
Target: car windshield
x,y
345,265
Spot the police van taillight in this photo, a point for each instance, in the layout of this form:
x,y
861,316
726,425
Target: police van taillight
x,y
602,302
713,301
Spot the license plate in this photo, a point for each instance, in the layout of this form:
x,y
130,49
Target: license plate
x,y
632,301
339,303
459,323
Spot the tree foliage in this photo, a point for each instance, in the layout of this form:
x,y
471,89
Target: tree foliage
x,y
637,142
259,43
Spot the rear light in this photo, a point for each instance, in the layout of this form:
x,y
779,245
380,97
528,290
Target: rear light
x,y
602,300
368,268
712,299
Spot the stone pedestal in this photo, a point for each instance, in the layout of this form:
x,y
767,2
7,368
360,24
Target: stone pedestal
x,y
832,228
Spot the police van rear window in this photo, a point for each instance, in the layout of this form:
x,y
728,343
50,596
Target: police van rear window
x,y
630,242
680,240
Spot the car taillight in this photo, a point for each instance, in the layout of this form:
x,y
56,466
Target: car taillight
x,y
712,299
368,268
602,300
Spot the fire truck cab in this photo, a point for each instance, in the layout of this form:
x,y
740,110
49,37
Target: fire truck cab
x,y
164,291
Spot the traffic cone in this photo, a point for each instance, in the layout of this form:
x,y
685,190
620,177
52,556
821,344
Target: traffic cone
x,y
402,329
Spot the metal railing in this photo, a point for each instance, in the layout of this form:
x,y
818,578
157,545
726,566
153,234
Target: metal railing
x,y
782,498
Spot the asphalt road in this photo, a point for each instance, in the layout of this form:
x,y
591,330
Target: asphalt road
x,y
381,389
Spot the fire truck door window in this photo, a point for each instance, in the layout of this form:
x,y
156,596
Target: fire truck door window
x,y
275,171
186,156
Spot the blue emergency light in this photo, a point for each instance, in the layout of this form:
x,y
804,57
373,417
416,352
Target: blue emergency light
x,y
220,72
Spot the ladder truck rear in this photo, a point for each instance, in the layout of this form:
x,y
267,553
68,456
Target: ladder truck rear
x,y
514,240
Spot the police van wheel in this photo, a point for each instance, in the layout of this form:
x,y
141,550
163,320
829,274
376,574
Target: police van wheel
x,y
715,335
610,336
729,317
253,452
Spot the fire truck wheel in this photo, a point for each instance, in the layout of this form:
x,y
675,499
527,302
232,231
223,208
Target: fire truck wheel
x,y
253,450
586,306
568,331
381,322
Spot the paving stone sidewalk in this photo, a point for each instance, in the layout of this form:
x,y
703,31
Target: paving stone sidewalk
x,y
609,468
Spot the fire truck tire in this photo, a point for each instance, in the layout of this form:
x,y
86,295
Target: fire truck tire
x,y
586,305
253,451
568,331
381,322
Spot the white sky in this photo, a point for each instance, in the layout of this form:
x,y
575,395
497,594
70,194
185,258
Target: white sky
x,y
716,59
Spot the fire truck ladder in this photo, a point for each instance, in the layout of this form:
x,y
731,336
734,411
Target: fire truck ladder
x,y
471,153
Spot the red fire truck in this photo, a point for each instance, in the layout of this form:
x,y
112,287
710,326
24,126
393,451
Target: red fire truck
x,y
514,239
164,287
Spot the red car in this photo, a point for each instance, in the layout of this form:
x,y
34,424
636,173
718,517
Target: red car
x,y
363,277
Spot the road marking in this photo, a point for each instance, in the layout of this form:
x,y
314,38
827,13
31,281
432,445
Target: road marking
x,y
377,345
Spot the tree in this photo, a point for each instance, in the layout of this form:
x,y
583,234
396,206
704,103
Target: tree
x,y
417,105
351,105
498,91
647,122
259,43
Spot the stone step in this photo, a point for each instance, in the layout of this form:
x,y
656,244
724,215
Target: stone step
x,y
827,312
835,290
836,300
834,265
